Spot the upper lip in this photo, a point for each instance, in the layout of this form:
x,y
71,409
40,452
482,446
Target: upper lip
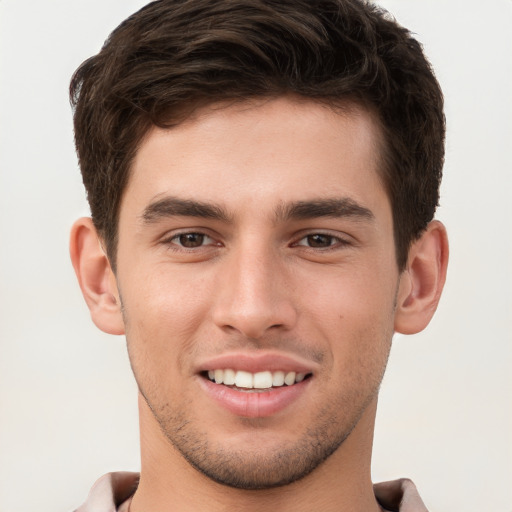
x,y
258,362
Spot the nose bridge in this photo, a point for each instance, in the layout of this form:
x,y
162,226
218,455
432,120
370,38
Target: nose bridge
x,y
253,296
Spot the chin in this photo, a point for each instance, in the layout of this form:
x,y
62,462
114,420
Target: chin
x,y
256,459
256,471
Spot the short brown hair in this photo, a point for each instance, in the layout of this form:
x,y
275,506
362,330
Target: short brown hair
x,y
174,55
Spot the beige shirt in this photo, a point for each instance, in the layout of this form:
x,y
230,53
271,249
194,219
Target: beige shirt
x,y
113,493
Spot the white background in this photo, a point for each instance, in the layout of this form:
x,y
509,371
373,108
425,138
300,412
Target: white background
x,y
67,400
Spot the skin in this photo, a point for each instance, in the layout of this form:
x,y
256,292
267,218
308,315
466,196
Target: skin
x,y
288,252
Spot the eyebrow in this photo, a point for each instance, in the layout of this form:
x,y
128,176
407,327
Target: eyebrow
x,y
175,207
170,206
333,207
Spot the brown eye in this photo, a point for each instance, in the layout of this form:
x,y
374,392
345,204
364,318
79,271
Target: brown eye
x,y
190,240
319,241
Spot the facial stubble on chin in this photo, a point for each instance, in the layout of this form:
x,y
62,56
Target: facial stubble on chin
x,y
251,469
256,470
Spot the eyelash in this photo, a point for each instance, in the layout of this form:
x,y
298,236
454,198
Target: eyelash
x,y
335,242
172,241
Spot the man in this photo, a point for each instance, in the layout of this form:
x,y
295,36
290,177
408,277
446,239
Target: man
x,y
262,176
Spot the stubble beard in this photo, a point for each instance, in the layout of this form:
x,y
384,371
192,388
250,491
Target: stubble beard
x,y
250,469
259,469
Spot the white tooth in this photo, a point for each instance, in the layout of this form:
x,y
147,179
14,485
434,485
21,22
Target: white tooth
x,y
211,374
229,377
262,380
300,377
219,376
278,378
289,378
243,379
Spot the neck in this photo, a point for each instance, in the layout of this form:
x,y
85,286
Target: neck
x,y
169,483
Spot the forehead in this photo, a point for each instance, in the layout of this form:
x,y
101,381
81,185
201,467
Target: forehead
x,y
261,153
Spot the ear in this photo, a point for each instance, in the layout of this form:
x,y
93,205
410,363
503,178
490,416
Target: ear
x,y
422,282
95,276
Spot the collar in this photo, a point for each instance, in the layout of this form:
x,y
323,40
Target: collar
x,y
113,491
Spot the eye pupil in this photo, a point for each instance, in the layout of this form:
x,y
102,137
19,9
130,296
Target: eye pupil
x,y
319,240
191,240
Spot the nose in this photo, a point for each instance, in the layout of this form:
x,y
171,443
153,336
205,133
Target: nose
x,y
254,295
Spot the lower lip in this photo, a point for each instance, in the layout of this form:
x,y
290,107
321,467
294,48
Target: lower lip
x,y
254,404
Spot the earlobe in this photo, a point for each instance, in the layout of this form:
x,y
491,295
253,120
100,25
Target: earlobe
x,y
95,276
422,282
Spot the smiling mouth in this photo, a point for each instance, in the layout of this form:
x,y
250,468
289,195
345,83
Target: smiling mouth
x,y
260,381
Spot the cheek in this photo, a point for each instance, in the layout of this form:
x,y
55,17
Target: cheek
x,y
354,314
168,297
163,312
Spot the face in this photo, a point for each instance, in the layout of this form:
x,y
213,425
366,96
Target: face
x,y
257,273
